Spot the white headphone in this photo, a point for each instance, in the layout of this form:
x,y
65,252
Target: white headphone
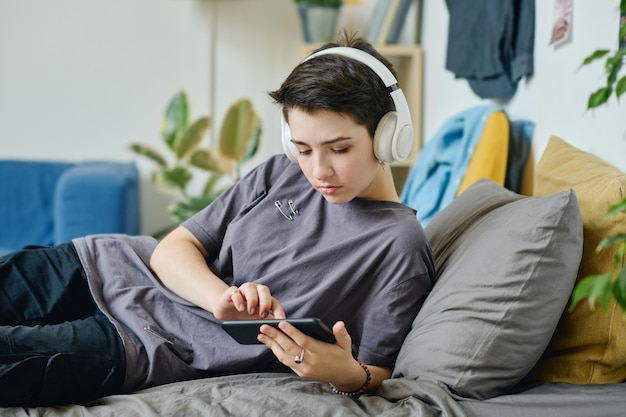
x,y
393,138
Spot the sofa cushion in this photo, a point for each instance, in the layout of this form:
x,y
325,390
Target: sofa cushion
x,y
97,197
27,202
506,265
589,347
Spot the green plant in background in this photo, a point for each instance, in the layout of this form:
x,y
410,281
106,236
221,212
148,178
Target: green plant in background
x,y
613,65
238,141
604,287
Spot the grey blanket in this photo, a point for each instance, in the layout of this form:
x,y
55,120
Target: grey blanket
x,y
287,395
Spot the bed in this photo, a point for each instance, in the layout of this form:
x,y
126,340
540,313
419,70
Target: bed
x,y
493,338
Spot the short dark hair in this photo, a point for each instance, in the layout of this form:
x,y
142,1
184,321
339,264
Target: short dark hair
x,y
339,84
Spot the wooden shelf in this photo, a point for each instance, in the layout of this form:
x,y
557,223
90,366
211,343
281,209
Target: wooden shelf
x,y
407,60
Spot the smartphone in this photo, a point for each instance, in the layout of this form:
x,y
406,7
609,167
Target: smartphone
x,y
246,331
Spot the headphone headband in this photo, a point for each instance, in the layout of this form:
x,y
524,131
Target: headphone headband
x,y
375,65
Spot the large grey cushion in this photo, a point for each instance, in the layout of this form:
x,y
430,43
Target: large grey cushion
x,y
506,266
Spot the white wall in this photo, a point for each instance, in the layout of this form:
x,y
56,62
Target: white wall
x,y
81,79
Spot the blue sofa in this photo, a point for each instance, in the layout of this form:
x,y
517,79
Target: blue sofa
x,y
50,202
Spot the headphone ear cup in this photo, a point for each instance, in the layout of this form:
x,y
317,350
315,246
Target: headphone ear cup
x,y
383,137
288,147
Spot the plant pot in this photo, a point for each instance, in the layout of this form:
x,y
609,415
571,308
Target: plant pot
x,y
318,22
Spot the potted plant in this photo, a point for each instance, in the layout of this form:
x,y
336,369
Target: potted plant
x,y
238,141
318,19
609,285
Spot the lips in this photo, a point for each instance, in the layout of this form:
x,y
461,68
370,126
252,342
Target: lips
x,y
328,189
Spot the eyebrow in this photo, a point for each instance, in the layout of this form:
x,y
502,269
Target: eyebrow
x,y
326,142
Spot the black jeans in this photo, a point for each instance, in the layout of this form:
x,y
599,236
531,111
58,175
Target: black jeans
x,y
56,346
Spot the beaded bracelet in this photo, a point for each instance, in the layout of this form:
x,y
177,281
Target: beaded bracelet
x,y
361,390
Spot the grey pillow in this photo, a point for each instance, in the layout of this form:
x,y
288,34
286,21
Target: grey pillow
x,y
506,266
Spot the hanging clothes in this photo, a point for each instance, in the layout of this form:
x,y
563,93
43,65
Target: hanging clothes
x,y
442,166
433,181
491,44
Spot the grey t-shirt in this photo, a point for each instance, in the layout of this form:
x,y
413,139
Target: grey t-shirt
x,y
364,262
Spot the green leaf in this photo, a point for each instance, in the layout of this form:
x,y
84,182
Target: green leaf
x,y
619,254
177,177
597,54
620,88
211,183
581,291
191,137
617,208
604,293
204,159
599,97
148,152
619,289
211,160
610,241
181,210
622,6
593,287
237,129
175,118
255,142
613,66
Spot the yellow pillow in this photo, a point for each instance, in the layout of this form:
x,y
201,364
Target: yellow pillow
x,y
491,153
588,347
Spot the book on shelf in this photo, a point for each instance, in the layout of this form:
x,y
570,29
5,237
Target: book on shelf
x,y
387,21
399,20
419,4
389,18
376,20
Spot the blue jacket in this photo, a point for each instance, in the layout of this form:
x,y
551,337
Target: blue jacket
x,y
435,178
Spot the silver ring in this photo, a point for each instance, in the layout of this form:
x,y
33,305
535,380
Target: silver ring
x,y
299,359
233,292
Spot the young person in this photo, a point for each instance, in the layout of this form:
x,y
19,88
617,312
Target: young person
x,y
317,232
